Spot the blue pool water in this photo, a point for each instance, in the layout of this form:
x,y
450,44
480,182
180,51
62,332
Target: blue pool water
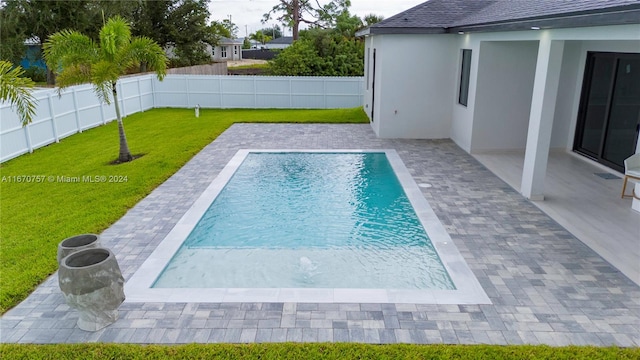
x,y
300,220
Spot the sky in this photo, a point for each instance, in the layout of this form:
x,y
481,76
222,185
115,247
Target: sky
x,y
246,14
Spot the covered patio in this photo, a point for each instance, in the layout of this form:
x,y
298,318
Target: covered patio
x,y
584,198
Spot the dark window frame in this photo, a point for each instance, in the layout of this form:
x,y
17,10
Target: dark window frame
x,y
465,76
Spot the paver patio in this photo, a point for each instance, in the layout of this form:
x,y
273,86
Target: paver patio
x,y
546,286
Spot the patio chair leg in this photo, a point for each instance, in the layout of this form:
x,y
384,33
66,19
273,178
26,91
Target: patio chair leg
x,y
624,187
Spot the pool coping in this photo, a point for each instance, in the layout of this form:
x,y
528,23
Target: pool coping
x,y
468,289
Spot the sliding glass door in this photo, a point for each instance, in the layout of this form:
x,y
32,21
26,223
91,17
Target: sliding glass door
x,y
609,117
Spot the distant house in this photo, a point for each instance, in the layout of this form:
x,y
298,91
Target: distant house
x,y
254,44
33,55
227,50
510,75
279,43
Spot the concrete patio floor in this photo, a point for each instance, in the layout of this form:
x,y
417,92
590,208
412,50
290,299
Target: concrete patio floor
x,y
587,205
546,286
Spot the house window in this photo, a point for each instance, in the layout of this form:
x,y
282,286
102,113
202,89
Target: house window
x,y
223,51
235,50
465,73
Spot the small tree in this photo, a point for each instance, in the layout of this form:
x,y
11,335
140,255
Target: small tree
x,y
260,37
15,89
77,59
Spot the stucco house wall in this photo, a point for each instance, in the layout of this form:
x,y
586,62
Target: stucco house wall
x,y
411,88
506,71
469,124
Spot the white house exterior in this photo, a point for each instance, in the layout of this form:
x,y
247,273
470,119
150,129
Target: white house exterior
x,y
542,74
279,43
227,50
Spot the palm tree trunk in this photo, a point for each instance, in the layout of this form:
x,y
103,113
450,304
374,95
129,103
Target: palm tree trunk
x,y
125,154
51,77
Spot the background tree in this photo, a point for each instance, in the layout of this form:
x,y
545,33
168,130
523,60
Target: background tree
x,y
325,52
231,27
37,19
16,89
78,59
40,18
178,24
295,12
12,36
320,52
189,32
274,31
260,37
371,19
347,24
219,30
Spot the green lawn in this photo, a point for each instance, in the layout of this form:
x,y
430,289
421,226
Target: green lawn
x,y
337,351
251,66
35,216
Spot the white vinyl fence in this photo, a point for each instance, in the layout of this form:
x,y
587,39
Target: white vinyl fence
x,y
78,108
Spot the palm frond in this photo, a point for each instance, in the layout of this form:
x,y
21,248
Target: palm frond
x,y
70,51
103,91
103,74
144,49
114,35
73,75
17,90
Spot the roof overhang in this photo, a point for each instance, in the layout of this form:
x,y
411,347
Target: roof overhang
x,y
618,16
625,17
401,30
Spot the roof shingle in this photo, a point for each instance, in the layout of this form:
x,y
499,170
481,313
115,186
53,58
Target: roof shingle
x,y
440,15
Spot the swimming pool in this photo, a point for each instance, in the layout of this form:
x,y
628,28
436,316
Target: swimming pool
x,y
325,237
316,220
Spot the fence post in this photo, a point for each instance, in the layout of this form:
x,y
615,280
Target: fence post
x,y
153,90
186,86
52,114
220,91
27,136
324,92
290,93
140,95
77,112
255,93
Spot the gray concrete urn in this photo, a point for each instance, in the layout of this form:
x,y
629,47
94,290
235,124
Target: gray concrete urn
x,y
75,243
92,283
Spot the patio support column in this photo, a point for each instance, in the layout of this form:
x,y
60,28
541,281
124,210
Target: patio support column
x,y
543,105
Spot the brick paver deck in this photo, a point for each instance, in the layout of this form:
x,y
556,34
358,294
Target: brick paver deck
x,y
546,286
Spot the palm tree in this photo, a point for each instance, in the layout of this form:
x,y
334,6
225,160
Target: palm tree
x,y
15,89
77,59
